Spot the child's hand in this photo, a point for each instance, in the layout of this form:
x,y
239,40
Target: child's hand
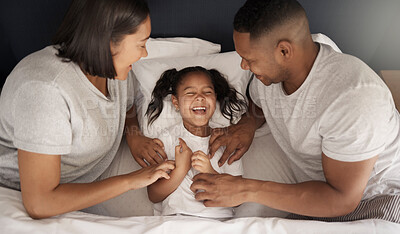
x,y
182,155
150,174
201,162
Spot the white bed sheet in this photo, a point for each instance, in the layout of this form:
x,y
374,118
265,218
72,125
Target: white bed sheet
x,y
263,161
13,219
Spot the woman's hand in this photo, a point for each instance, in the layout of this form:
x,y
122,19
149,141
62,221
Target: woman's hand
x,y
201,162
150,174
146,150
183,155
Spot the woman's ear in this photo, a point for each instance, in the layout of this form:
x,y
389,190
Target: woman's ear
x,y
175,102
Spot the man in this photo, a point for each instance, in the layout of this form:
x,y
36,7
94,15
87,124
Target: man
x,y
333,117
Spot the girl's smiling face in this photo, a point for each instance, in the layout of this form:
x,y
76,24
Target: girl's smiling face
x,y
195,99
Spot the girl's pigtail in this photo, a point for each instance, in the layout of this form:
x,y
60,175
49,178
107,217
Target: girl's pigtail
x,y
161,90
232,103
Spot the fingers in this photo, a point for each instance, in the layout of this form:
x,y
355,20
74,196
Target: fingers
x,y
201,181
216,144
178,150
201,177
182,143
211,203
202,196
199,185
163,174
155,157
141,162
237,155
158,142
167,166
160,148
151,160
200,155
228,151
163,169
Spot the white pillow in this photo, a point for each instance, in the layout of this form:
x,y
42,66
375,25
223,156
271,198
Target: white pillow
x,y
179,47
147,73
322,38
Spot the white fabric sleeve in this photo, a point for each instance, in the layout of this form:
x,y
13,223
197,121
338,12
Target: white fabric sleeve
x,y
354,126
42,120
235,169
253,91
131,90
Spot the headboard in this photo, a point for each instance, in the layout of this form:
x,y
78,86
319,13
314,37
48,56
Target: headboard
x,y
367,29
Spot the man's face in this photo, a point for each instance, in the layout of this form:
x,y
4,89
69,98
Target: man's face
x,y
260,58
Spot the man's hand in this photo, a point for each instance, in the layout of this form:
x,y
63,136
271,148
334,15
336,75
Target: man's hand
x,y
144,148
219,190
237,139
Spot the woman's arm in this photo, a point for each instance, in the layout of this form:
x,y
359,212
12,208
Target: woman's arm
x,y
43,195
161,189
142,147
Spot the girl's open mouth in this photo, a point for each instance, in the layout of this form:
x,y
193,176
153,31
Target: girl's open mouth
x,y
201,110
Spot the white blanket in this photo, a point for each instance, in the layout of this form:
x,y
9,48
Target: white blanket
x,y
13,219
263,161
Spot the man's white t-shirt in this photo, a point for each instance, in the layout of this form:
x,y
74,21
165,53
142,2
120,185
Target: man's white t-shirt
x,y
182,200
342,109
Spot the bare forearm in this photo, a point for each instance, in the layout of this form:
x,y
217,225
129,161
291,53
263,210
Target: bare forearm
x,y
313,198
70,197
161,189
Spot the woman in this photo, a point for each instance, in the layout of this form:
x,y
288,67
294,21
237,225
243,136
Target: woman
x,y
66,108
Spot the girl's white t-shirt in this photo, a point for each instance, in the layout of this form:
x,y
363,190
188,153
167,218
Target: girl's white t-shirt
x,y
182,200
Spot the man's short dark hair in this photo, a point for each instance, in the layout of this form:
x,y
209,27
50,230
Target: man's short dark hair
x,y
258,17
90,25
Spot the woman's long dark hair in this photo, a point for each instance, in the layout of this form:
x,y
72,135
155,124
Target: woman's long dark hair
x,y
232,103
88,28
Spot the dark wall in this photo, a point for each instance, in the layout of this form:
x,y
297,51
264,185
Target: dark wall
x,y
368,29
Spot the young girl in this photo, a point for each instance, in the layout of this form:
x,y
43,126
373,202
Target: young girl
x,y
194,93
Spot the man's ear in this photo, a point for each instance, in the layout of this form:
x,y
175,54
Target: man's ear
x,y
284,51
175,102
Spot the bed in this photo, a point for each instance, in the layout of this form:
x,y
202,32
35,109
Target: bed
x,y
204,41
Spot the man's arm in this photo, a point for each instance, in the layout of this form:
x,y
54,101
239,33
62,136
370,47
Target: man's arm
x,y
339,195
238,137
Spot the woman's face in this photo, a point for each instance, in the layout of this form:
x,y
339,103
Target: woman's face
x,y
130,49
195,99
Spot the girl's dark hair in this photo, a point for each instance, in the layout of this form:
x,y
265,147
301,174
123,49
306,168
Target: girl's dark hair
x,y
88,28
232,103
